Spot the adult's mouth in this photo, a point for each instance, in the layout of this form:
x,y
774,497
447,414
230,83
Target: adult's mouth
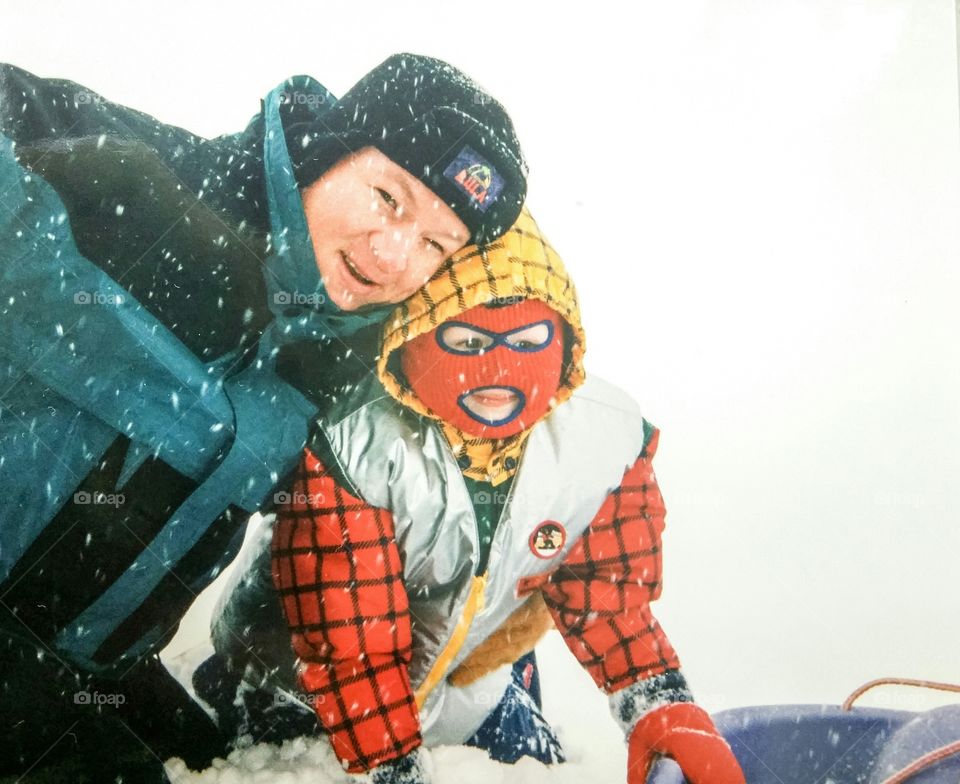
x,y
354,272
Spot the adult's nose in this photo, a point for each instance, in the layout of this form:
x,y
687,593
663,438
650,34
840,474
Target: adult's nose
x,y
391,248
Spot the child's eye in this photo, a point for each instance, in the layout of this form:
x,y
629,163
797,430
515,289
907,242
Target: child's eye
x,y
463,339
532,337
388,199
469,344
436,246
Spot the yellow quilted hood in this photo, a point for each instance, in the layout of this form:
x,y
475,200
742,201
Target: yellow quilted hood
x,y
520,264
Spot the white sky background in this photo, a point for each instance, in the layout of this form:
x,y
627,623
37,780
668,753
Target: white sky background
x,y
759,200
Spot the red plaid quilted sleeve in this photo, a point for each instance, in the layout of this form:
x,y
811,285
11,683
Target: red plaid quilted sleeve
x,y
337,568
600,596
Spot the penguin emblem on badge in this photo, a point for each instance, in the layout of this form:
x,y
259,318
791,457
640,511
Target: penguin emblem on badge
x,y
548,539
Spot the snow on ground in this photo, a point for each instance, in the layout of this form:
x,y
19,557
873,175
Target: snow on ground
x,y
312,762
575,707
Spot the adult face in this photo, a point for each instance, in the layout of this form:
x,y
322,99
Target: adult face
x,y
378,233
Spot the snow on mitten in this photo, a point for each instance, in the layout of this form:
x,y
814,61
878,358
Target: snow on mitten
x,y
685,733
413,768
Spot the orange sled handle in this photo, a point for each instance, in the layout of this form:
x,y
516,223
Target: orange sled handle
x,y
928,759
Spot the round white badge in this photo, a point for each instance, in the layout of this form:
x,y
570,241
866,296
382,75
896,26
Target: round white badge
x,y
548,539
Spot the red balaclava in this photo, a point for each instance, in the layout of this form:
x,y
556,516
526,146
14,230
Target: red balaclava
x,y
492,371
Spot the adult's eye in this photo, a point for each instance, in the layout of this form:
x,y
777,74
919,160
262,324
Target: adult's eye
x,y
388,199
434,245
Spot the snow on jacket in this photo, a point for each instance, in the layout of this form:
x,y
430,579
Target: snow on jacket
x,y
375,554
144,415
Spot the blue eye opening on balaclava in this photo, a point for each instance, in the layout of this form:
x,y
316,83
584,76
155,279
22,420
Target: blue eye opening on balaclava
x,y
458,337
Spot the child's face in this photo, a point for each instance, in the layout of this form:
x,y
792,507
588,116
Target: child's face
x,y
492,372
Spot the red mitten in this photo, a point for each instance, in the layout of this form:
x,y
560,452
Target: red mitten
x,y
685,733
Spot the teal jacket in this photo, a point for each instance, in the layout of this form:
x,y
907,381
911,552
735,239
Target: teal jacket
x,y
84,363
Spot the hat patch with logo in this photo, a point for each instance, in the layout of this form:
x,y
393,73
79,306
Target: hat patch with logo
x,y
475,177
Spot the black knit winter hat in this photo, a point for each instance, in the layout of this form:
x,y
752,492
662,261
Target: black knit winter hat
x,y
436,123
